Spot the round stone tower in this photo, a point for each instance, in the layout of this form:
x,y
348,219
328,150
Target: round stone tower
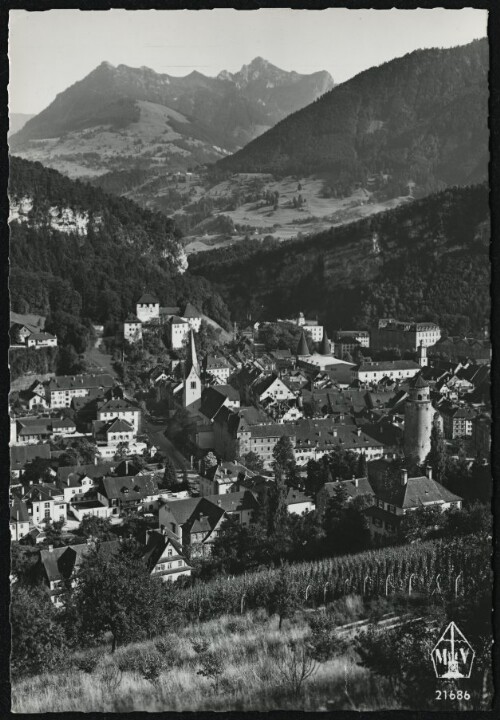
x,y
419,415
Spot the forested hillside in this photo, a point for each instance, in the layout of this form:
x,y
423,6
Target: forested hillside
x,y
428,260
419,119
77,251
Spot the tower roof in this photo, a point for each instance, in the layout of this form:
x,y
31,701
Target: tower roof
x,y
192,359
148,299
419,382
325,348
302,347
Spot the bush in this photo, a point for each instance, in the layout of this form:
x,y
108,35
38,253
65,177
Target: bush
x,y
151,666
110,676
324,642
88,662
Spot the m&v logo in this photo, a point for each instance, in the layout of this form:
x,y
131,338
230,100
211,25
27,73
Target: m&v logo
x,y
452,656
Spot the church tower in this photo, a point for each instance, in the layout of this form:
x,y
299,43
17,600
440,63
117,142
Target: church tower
x,y
419,415
422,355
192,379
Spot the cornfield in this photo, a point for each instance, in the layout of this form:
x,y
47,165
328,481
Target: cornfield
x,y
446,567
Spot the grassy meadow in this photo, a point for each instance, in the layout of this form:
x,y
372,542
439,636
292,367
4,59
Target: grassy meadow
x,y
255,664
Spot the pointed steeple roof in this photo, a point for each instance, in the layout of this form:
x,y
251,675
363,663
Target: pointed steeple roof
x,y
192,359
302,347
325,348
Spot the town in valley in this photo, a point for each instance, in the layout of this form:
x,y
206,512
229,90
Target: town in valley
x,y
250,411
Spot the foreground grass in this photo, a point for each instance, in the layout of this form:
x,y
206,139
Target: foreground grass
x,y
252,650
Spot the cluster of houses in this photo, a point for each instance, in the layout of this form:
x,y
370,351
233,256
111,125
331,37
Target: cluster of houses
x,y
149,315
28,331
242,401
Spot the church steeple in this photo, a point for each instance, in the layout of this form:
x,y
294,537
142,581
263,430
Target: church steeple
x,y
192,381
325,348
302,348
192,359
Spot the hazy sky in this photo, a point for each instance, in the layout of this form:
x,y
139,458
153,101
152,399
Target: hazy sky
x,y
53,49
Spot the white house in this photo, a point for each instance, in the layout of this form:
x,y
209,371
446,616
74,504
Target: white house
x,y
164,556
179,331
41,340
273,387
147,308
19,522
297,503
132,329
45,502
120,408
218,367
192,316
374,372
63,388
393,501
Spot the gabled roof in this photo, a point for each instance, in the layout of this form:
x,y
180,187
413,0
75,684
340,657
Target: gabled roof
x,y
417,492
176,320
72,382
119,425
61,562
63,423
129,488
191,312
198,514
296,496
228,471
156,545
37,322
118,405
169,310
20,455
42,493
229,392
148,299
216,362
91,470
234,502
211,402
42,336
19,512
387,365
262,384
354,487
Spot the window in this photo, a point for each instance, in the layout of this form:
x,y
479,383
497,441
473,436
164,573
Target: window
x,y
389,527
380,504
169,566
377,522
47,514
193,384
179,563
169,552
392,509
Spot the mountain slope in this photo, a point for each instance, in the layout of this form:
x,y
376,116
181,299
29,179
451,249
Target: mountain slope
x,y
117,115
77,250
427,260
418,119
17,121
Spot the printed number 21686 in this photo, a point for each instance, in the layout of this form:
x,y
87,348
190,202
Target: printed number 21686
x,y
452,695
